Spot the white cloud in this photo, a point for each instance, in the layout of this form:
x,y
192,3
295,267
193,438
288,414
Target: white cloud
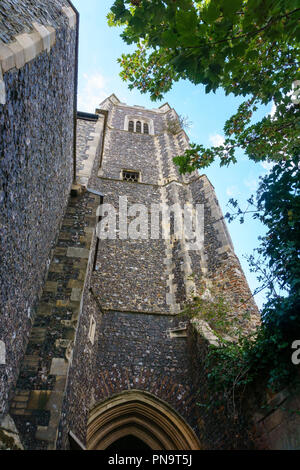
x,y
289,93
267,165
92,93
251,183
273,110
232,191
216,140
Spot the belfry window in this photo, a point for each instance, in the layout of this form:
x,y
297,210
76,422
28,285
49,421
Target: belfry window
x,y
138,127
131,126
131,176
139,124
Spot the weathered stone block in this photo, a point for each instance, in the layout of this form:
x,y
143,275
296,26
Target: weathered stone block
x,y
38,399
7,58
38,335
50,286
78,253
44,34
29,46
59,366
2,353
76,294
45,433
52,33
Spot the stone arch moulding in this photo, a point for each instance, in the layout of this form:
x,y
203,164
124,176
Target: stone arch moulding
x,y
143,120
142,415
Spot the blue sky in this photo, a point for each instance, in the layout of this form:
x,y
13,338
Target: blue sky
x,y
99,48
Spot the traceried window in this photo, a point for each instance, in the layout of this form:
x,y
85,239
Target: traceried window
x,y
138,127
146,128
131,176
131,126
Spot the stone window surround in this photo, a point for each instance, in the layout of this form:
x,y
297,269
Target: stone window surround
x,y
131,171
142,120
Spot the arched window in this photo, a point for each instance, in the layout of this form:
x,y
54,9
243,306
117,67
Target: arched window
x,y
139,124
138,127
131,126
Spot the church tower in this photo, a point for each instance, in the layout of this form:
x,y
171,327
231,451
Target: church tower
x,y
110,358
142,274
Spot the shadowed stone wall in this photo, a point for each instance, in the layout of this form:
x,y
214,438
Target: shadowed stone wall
x,y
277,424
41,387
36,161
131,352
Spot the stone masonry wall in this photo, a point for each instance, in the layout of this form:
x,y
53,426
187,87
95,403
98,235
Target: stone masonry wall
x,y
277,424
138,286
17,17
264,420
36,162
89,139
38,400
174,271
217,428
121,285
131,352
222,273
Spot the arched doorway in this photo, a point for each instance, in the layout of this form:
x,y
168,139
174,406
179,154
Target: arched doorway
x,y
128,443
140,419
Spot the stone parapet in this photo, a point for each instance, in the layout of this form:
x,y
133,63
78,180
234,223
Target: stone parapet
x,y
26,46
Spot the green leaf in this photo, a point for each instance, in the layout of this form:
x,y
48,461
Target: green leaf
x,y
239,49
230,7
211,13
169,39
186,22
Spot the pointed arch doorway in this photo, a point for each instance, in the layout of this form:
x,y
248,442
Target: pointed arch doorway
x,y
138,419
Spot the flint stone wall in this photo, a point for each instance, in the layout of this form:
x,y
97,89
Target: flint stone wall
x,y
139,278
128,292
36,166
131,352
17,17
